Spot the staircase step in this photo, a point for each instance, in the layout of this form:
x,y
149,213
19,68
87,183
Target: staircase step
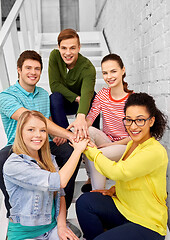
x,y
52,45
96,60
85,37
87,52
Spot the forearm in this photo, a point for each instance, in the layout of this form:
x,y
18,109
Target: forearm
x,y
84,104
89,122
61,220
69,167
55,130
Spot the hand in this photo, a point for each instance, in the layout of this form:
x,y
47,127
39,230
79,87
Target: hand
x,y
110,192
65,233
91,144
80,127
59,140
81,145
77,99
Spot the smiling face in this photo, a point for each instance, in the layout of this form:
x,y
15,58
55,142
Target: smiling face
x,y
69,50
29,75
112,73
34,134
139,134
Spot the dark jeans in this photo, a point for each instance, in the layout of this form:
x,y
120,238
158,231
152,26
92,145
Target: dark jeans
x,y
4,154
62,154
61,107
97,212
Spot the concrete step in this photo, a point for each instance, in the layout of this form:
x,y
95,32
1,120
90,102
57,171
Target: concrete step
x,y
96,60
87,52
83,45
85,37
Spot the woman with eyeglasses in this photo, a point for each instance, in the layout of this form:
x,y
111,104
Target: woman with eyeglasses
x,y
110,101
137,209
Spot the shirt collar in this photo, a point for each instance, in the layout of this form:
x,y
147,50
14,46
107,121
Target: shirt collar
x,y
25,92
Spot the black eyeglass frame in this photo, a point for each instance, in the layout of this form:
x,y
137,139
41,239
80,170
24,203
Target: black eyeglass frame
x,y
134,120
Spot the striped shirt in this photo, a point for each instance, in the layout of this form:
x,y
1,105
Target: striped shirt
x,y
112,114
16,97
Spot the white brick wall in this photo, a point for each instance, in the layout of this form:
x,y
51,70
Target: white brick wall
x,y
139,31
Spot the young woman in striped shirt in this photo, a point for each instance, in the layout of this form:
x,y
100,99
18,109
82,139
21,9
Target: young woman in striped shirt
x,y
110,101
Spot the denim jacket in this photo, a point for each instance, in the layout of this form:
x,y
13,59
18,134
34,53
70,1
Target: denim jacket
x,y
31,190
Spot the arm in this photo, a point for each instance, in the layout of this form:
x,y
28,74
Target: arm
x,y
94,111
35,178
57,74
53,129
80,126
69,167
88,76
63,231
29,175
87,92
138,164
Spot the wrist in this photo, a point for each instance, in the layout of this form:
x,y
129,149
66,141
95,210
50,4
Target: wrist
x,y
70,135
81,116
77,99
62,224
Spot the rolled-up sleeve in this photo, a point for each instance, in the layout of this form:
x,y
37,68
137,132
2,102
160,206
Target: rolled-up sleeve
x,y
30,176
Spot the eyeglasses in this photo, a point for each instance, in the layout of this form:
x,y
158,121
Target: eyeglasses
x,y
139,122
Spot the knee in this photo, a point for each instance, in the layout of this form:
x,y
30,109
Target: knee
x,y
82,202
56,99
92,131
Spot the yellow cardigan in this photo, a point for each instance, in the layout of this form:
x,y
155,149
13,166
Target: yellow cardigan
x,y
140,183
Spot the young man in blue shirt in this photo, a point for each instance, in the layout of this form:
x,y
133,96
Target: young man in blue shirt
x,y
23,96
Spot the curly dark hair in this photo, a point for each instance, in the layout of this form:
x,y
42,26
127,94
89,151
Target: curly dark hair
x,y
143,99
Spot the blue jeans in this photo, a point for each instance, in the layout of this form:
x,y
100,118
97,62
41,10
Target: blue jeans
x,y
61,153
97,212
60,107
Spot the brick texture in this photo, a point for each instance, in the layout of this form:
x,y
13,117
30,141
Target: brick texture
x,y
139,31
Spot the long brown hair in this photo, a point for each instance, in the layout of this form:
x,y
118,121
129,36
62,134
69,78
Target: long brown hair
x,y
19,146
117,58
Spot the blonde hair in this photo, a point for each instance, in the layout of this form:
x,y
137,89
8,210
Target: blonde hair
x,y
19,146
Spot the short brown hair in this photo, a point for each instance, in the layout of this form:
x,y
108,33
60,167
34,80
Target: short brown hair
x,y
29,54
67,34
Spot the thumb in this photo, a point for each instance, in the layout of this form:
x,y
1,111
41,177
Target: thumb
x,y
70,126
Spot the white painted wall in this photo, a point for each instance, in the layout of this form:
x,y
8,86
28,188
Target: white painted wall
x,y
86,15
50,16
139,31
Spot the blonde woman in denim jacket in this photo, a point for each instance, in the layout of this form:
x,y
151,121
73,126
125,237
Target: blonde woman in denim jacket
x,y
35,184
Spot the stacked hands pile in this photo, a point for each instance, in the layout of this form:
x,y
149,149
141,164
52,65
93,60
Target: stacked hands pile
x,y
39,165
